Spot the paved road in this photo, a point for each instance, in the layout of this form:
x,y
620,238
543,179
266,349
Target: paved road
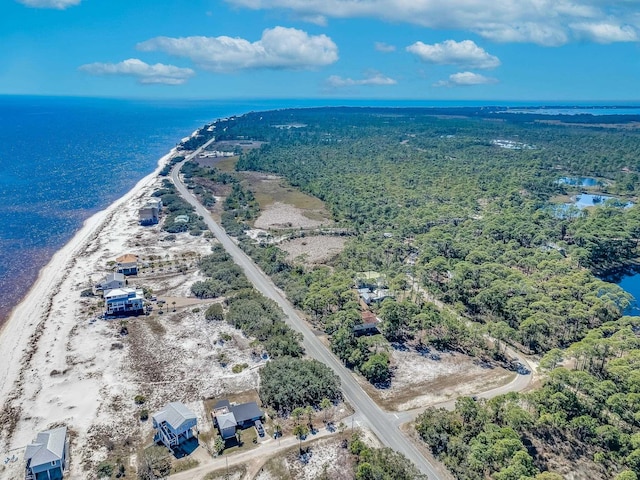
x,y
368,413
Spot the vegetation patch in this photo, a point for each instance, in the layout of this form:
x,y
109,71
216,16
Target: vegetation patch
x,y
288,383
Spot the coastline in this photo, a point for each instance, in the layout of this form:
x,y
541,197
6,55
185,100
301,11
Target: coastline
x,y
19,331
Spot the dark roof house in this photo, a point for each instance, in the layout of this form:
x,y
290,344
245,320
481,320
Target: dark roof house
x,y
228,417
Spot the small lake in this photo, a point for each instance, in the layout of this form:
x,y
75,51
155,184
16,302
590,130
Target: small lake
x,y
631,284
585,200
579,181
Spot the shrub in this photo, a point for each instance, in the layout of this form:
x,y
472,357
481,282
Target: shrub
x,y
105,469
239,367
139,399
144,414
214,312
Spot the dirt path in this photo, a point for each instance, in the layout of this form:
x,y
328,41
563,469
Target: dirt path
x,y
264,452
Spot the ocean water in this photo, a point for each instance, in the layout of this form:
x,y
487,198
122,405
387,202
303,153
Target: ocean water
x,y
63,159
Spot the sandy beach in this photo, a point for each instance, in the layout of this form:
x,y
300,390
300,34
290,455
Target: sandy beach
x,y
62,365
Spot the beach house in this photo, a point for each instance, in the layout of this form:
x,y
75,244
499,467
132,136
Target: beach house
x,y
229,417
124,301
150,213
174,425
127,264
47,456
111,282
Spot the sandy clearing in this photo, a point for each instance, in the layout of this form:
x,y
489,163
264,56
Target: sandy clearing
x,y
282,215
420,381
313,250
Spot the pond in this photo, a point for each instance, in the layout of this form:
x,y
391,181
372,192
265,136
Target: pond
x,y
579,181
630,284
585,200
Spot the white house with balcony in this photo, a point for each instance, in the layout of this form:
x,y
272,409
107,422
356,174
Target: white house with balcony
x,y
124,301
174,424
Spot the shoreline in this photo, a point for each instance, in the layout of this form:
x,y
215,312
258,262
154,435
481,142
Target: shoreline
x,y
22,323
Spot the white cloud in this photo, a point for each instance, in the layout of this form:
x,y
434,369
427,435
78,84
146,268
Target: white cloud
x,y
545,22
384,47
319,20
145,73
279,47
605,32
450,52
465,79
373,78
58,4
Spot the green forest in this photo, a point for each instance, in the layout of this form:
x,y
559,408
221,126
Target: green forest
x,y
468,206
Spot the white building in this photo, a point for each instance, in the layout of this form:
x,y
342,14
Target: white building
x,y
124,300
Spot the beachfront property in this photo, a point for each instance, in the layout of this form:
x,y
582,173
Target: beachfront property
x,y
123,301
127,264
229,417
150,213
174,425
111,282
47,456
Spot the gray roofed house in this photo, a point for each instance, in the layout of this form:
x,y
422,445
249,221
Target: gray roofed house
x,y
226,424
148,215
228,417
111,282
174,424
46,456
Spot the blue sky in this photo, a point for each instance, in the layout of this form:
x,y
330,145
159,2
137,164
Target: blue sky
x,y
544,50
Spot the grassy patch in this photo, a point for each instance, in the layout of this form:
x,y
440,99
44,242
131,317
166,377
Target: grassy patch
x,y
227,165
183,464
269,190
155,326
236,472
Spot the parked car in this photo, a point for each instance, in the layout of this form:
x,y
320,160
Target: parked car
x,y
259,428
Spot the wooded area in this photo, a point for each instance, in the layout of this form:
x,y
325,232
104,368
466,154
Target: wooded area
x,y
471,211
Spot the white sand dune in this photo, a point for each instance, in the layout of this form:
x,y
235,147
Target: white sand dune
x,y
35,342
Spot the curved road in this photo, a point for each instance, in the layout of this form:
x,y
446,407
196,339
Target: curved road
x,y
368,413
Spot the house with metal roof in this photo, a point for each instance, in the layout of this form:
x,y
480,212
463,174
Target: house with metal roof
x,y
227,424
46,457
124,301
174,425
229,417
111,282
